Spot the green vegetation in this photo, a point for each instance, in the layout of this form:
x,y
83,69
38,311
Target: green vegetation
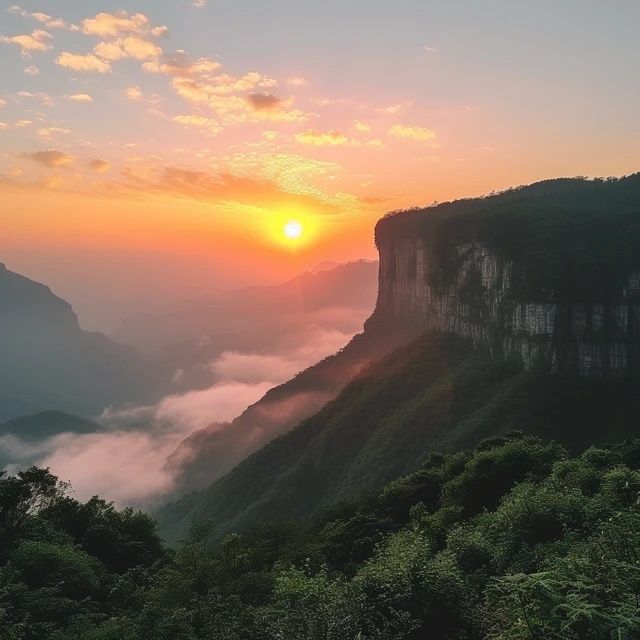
x,y
571,239
434,394
516,539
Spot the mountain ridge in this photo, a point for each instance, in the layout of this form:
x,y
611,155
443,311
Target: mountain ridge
x,y
450,388
50,363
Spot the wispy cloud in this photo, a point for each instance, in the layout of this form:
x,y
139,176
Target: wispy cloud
x,y
316,138
100,166
50,158
80,97
411,133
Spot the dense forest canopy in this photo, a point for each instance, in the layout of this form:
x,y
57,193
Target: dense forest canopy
x,y
571,238
516,539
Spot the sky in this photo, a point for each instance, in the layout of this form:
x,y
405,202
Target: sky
x,y
152,151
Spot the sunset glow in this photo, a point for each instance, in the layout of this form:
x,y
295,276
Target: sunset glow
x,y
190,132
293,230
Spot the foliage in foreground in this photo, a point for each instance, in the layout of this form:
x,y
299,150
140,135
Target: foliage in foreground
x,y
514,540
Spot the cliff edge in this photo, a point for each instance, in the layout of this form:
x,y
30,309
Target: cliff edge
x,y
547,274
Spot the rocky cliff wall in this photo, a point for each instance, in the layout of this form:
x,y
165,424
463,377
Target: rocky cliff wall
x,y
482,297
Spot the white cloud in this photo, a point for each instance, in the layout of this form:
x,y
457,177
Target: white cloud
x,y
412,133
37,41
312,137
133,93
48,132
127,47
87,62
297,82
80,97
112,25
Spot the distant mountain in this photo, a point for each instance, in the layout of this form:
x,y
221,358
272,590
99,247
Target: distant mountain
x,y
21,438
260,311
48,362
529,306
45,425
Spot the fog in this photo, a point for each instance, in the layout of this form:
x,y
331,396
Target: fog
x,y
126,460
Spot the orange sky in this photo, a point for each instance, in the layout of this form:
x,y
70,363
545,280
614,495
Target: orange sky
x,y
155,151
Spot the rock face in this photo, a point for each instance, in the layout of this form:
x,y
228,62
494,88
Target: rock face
x,y
482,294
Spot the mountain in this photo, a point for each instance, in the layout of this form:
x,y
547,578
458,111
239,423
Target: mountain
x,y
529,305
260,311
209,453
46,424
22,437
49,363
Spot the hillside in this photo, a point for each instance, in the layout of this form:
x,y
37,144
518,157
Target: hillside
x,y
209,453
49,363
515,539
513,338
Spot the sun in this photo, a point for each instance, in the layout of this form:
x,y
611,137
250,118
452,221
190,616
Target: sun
x,y
293,229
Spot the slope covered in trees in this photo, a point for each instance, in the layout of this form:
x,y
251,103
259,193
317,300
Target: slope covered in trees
x,y
516,539
435,393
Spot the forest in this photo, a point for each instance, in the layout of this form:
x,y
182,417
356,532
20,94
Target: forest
x,y
518,538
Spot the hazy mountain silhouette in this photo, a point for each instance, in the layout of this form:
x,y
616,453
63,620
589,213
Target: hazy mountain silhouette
x,y
259,310
48,362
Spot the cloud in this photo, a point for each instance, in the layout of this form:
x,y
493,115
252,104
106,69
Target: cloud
x,y
100,166
316,138
220,95
3,103
132,459
391,110
361,126
112,25
32,70
428,48
49,21
80,97
35,42
297,81
181,64
47,132
220,403
45,98
133,93
3,126
50,158
252,368
210,125
199,4
264,101
127,47
79,62
411,133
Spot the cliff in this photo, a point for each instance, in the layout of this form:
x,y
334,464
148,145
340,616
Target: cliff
x,y
505,291
557,287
